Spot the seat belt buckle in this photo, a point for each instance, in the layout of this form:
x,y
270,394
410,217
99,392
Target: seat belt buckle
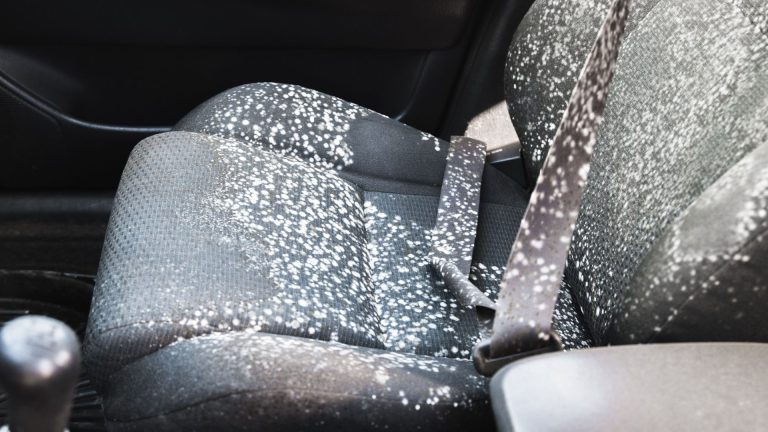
x,y
488,366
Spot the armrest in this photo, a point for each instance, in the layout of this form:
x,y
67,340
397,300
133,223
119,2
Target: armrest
x,y
691,386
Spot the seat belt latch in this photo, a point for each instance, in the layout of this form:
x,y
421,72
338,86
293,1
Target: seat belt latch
x,y
488,366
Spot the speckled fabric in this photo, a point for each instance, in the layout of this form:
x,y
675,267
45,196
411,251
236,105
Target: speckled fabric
x,y
453,238
457,212
234,229
269,237
651,164
687,104
248,380
412,300
543,64
403,145
234,251
701,274
286,119
531,282
418,313
321,129
208,238
399,225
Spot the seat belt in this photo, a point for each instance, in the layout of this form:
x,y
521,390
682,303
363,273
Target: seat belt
x,y
530,285
456,226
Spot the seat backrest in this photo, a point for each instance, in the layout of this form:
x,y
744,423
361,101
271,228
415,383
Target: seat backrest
x,y
671,242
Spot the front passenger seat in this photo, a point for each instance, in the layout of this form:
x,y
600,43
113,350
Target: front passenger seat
x,y
266,263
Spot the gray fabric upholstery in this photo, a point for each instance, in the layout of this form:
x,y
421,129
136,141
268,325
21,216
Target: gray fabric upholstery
x,y
652,164
688,101
208,238
284,233
531,283
321,129
412,299
206,235
256,381
707,267
244,246
544,60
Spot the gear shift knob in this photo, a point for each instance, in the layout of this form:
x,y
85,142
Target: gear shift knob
x,y
39,368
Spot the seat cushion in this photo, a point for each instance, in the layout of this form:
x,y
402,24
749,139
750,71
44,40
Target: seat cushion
x,y
221,247
244,381
400,169
284,234
207,240
210,235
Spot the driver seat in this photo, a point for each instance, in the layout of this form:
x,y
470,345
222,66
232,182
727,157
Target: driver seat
x,y
266,264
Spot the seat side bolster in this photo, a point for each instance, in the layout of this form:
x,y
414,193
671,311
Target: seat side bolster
x,y
214,382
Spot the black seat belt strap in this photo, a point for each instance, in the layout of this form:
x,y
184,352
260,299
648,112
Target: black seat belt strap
x,y
531,282
453,238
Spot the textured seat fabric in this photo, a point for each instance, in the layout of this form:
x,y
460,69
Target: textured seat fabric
x,y
688,101
323,130
222,240
250,380
266,263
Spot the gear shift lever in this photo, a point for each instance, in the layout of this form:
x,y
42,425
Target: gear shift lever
x,y
39,368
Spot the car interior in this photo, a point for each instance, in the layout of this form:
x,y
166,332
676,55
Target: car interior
x,y
512,215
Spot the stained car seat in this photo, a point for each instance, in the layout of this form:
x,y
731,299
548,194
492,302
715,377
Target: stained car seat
x,y
266,264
